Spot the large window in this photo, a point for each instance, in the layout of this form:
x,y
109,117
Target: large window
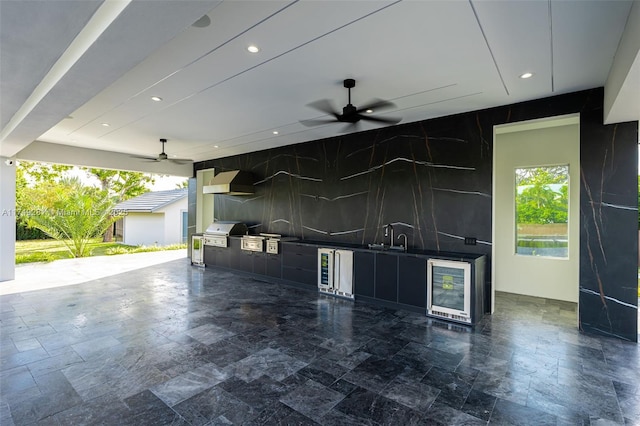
x,y
542,211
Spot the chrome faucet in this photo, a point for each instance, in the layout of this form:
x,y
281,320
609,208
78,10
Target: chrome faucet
x,y
405,241
388,232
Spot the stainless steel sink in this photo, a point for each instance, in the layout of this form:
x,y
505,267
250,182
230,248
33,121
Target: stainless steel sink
x,y
384,247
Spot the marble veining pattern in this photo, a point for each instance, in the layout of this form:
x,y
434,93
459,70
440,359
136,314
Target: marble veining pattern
x,y
339,197
457,191
618,206
284,172
595,293
406,160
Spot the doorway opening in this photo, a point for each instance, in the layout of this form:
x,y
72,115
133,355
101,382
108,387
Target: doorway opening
x,y
536,205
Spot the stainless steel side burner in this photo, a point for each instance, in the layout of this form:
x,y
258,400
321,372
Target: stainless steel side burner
x,y
272,243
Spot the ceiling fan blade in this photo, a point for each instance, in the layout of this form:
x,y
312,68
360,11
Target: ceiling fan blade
x,y
325,106
350,127
317,122
376,104
143,157
386,120
180,160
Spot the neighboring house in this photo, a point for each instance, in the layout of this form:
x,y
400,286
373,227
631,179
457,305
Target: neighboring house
x,y
154,218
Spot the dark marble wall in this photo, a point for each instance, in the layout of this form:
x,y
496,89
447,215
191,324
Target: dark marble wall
x,y
609,230
432,181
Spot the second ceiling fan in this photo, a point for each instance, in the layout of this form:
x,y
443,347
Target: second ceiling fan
x,y
163,156
350,113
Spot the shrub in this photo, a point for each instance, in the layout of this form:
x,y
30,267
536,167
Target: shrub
x,y
117,250
143,249
36,256
25,233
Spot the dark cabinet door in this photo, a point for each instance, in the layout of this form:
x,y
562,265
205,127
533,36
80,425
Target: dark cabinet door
x,y
222,256
209,255
387,277
260,263
299,275
412,281
364,274
244,260
233,252
273,265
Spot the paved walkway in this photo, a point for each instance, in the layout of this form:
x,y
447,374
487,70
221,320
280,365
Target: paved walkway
x,y
38,276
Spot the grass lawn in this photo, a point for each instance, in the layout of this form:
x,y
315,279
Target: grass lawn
x,y
49,250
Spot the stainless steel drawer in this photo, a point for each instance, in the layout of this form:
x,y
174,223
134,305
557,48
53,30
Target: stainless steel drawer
x,y
252,244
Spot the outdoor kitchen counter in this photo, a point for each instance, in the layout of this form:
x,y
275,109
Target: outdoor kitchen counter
x,y
409,252
391,278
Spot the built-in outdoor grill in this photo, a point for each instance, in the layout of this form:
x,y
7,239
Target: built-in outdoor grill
x,y
217,234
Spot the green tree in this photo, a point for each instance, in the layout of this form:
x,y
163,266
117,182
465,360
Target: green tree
x,y
540,204
120,185
69,212
36,172
29,173
537,202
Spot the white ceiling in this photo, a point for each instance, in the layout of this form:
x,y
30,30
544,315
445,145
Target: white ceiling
x,y
75,65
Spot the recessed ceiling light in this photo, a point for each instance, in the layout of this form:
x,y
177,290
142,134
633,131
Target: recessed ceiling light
x,y
369,111
275,132
215,146
253,48
156,98
526,75
106,124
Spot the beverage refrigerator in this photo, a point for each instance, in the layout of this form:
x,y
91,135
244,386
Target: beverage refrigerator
x,y
452,294
335,272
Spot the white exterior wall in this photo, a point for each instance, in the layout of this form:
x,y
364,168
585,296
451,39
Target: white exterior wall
x,y
173,221
164,227
144,229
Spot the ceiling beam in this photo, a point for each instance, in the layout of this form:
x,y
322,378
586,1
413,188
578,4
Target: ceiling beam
x,y
76,156
621,100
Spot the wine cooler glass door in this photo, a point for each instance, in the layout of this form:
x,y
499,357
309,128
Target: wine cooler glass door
x,y
449,289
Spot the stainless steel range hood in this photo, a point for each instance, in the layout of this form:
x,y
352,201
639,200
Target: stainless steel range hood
x,y
235,182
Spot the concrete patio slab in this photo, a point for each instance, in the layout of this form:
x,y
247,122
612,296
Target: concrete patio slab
x,y
38,276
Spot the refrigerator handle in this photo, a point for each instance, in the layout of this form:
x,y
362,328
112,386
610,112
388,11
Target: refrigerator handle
x,y
336,271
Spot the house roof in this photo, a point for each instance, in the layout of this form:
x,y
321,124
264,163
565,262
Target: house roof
x,y
152,201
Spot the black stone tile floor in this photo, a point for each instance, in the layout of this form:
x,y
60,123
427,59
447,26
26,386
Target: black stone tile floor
x,y
181,345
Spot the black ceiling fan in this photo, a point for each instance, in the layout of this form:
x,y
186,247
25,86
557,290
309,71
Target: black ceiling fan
x,y
350,113
162,156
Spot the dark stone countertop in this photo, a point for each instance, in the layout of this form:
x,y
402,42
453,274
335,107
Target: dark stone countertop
x,y
409,252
